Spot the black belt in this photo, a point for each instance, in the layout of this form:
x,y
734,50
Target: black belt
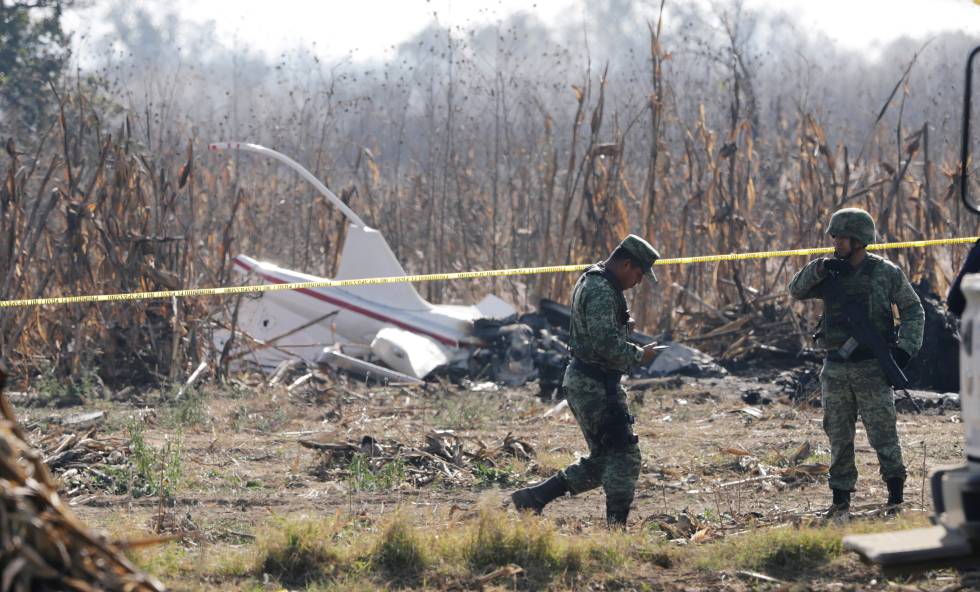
x,y
607,377
859,355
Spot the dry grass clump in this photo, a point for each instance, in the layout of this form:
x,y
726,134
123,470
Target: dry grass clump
x,y
776,551
400,554
300,551
790,552
303,551
495,541
495,547
45,547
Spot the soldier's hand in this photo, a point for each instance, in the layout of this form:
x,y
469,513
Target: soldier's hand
x,y
651,351
833,265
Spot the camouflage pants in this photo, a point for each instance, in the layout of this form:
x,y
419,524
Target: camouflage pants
x,y
616,469
850,389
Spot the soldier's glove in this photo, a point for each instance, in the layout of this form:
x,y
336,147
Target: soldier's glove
x,y
900,356
837,266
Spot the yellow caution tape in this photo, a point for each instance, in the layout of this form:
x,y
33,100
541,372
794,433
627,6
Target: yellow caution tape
x,y
815,251
434,277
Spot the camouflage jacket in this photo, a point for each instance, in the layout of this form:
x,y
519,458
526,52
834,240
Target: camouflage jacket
x,y
881,283
598,326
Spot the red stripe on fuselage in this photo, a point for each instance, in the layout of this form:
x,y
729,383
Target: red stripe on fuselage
x,y
353,308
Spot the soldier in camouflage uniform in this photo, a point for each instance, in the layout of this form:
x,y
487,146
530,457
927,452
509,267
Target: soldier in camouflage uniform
x,y
856,385
601,354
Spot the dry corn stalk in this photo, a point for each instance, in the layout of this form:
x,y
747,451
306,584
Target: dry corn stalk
x,y
43,546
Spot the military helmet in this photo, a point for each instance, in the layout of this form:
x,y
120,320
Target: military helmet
x,y
853,223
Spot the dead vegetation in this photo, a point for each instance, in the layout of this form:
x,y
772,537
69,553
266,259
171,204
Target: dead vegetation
x,y
492,548
45,546
373,490
101,200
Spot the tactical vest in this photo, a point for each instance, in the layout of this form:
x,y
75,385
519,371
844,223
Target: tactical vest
x,y
578,343
833,330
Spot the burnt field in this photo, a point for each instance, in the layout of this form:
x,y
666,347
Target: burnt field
x,y
328,483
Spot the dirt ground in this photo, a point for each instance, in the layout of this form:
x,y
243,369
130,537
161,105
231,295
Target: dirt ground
x,y
708,457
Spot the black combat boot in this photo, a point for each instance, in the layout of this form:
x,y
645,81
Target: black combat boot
x,y
537,496
841,505
896,490
616,515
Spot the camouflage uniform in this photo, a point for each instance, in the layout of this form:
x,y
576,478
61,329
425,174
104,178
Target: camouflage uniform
x,y
855,388
601,354
598,337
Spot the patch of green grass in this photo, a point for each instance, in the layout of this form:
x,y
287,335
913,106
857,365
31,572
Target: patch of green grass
x,y
262,420
233,390
154,471
464,411
299,551
488,475
817,457
532,544
67,390
346,583
189,410
606,551
791,552
344,554
167,559
497,539
658,555
191,568
399,553
783,550
364,477
230,563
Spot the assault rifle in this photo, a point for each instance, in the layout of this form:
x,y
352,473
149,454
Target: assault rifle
x,y
863,331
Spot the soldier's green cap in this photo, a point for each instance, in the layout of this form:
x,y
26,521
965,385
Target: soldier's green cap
x,y
643,252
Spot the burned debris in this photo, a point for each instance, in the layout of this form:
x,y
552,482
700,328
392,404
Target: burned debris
x,y
519,349
680,359
511,355
388,332
916,401
763,343
445,456
937,365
